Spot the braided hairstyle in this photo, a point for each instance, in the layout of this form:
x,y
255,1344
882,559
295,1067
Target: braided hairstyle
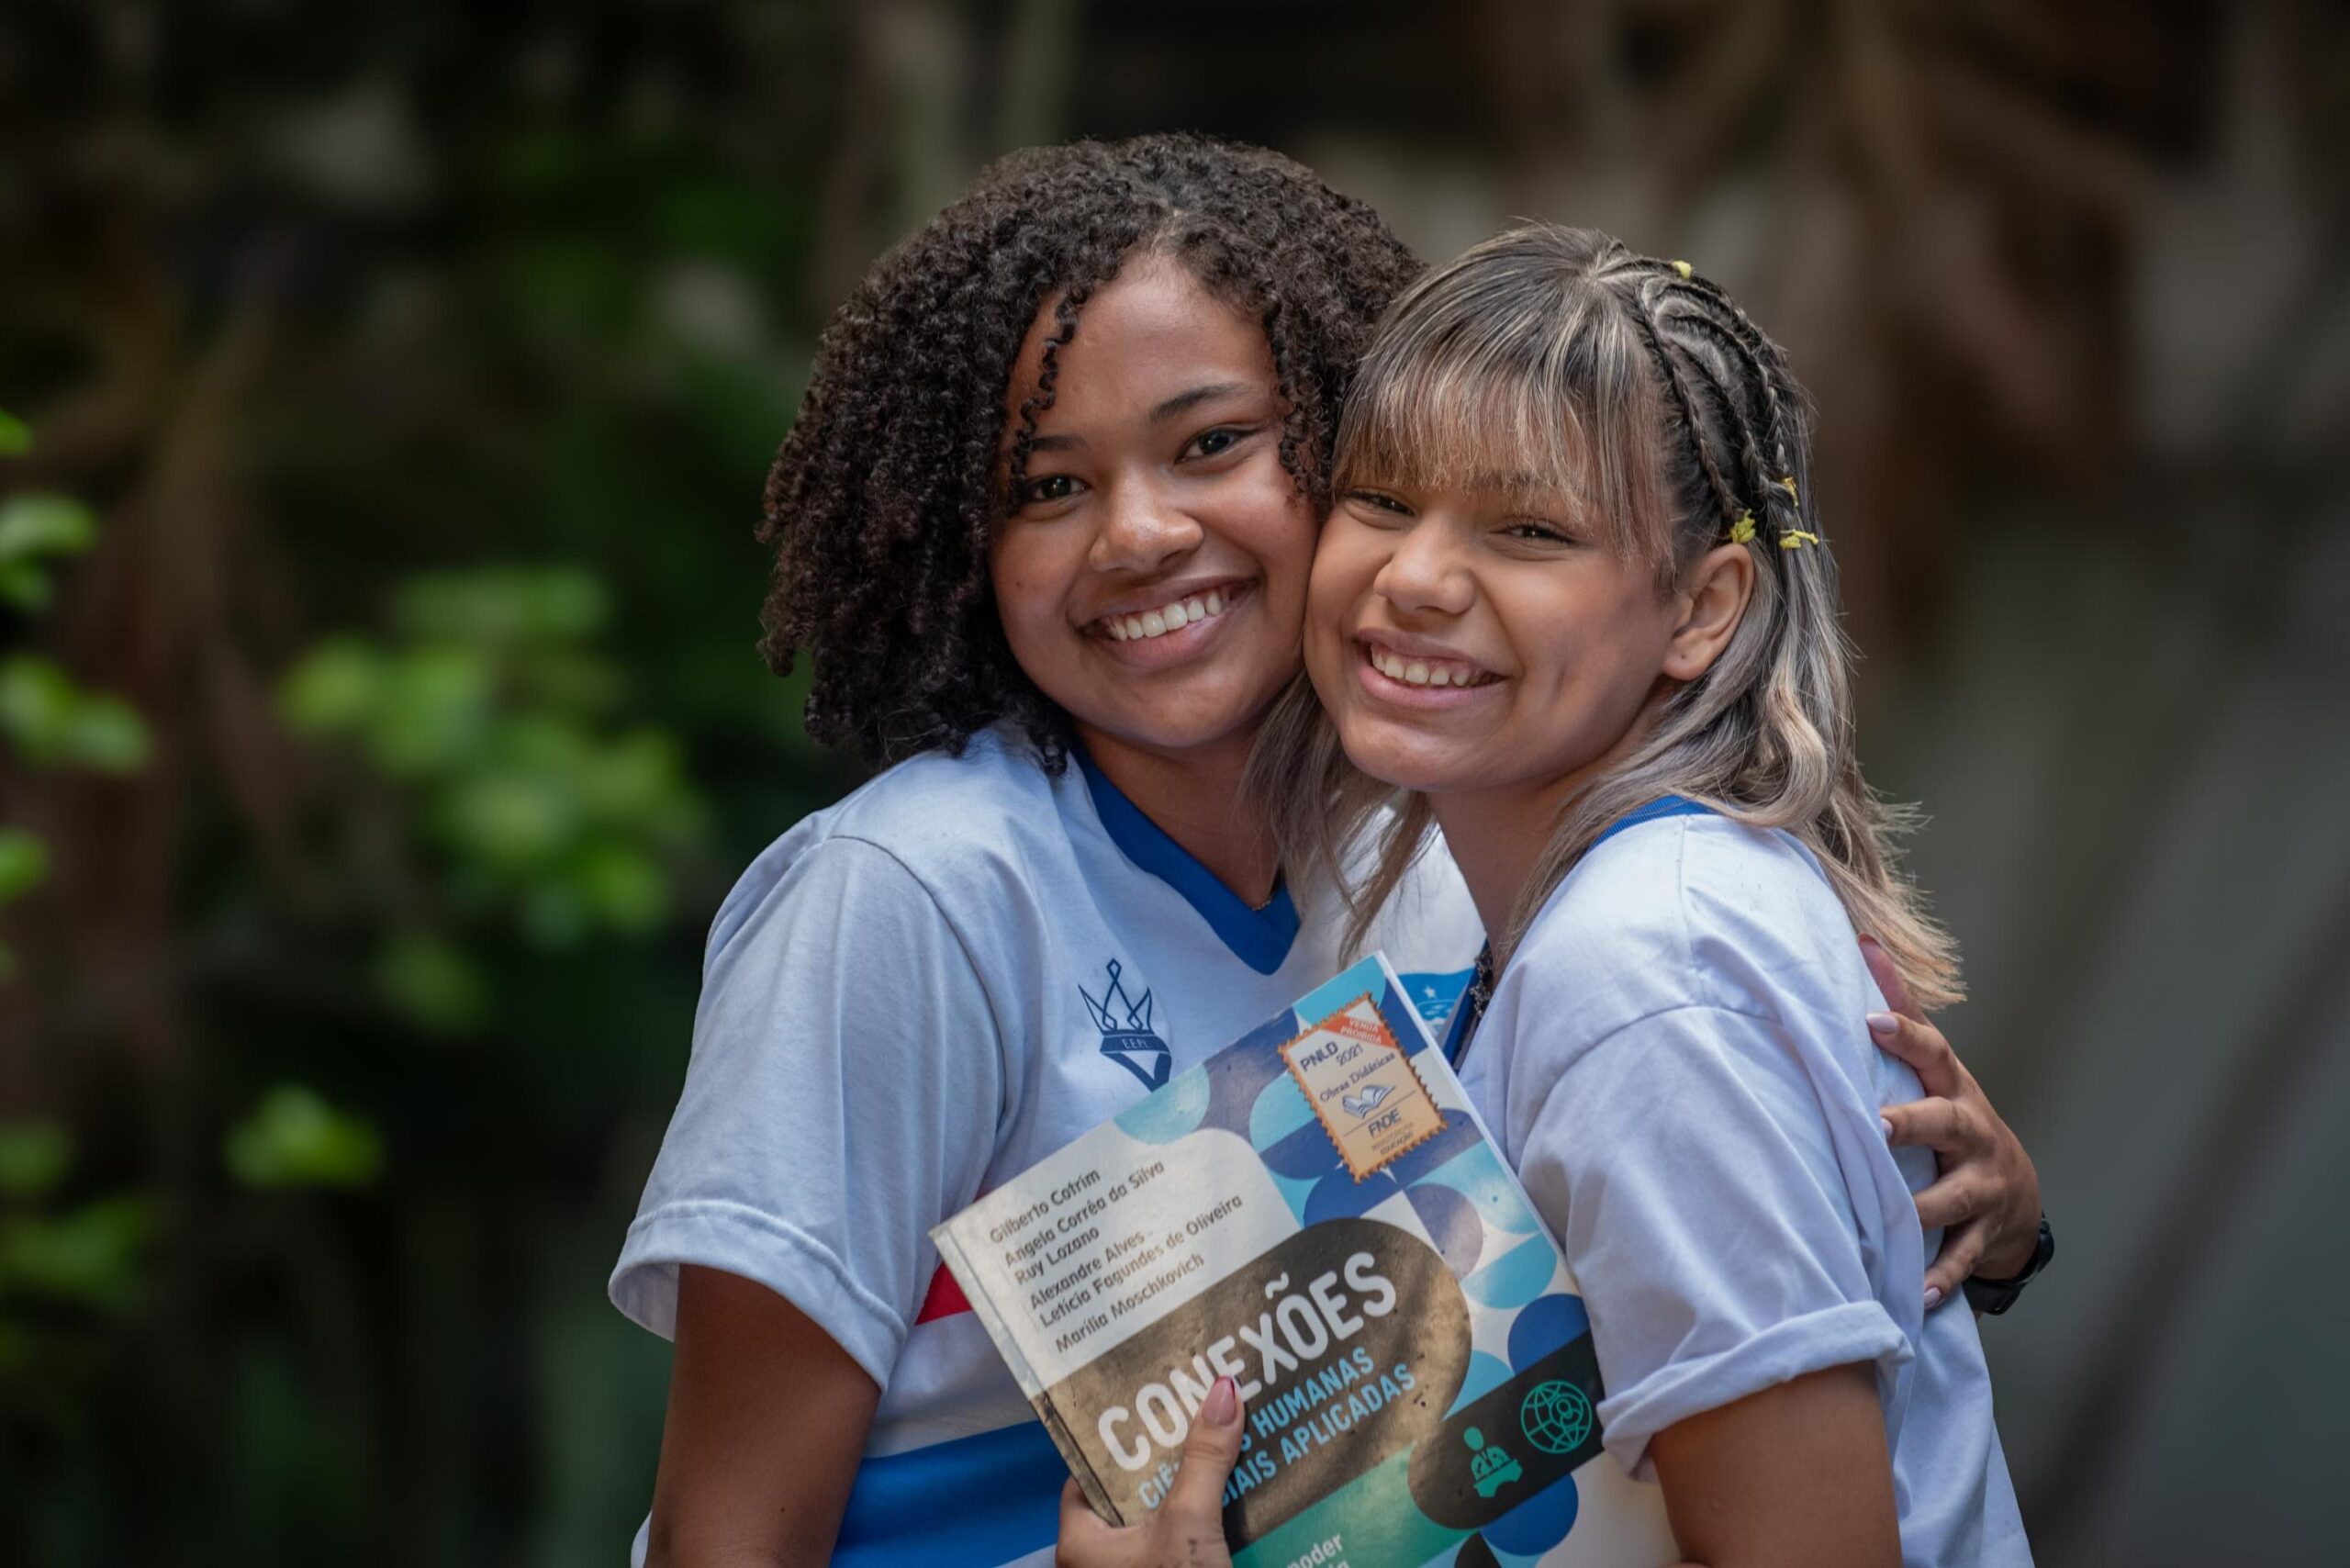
x,y
884,496
1558,362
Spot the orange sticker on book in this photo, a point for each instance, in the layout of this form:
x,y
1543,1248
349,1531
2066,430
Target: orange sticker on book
x,y
1362,1087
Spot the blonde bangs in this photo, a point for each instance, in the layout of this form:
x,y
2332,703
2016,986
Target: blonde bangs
x,y
1521,394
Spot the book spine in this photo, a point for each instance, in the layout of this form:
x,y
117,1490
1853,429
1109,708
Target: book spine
x,y
979,1290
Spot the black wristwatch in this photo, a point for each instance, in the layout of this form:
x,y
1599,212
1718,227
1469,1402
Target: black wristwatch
x,y
1992,1297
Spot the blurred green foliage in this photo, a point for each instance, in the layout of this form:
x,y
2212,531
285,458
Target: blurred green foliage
x,y
392,700
488,709
293,1138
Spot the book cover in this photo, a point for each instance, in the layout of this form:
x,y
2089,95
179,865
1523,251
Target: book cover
x,y
1315,1213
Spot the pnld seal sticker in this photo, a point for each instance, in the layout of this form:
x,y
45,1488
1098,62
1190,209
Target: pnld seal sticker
x,y
1362,1087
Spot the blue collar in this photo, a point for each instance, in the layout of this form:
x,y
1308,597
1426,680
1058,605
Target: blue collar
x,y
1663,806
1259,938
1471,1009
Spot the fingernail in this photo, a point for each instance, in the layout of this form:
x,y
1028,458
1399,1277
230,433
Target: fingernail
x,y
1886,1123
1883,1023
1222,1407
1933,1300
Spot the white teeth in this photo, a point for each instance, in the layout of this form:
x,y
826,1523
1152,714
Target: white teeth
x,y
1171,617
1421,672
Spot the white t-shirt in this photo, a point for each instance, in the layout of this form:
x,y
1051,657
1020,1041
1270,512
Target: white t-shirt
x,y
908,999
1677,1065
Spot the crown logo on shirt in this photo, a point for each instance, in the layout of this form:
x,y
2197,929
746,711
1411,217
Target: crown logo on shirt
x,y
1127,1035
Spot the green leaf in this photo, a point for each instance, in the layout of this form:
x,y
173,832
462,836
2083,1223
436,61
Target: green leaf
x,y
432,982
511,818
294,1138
89,1255
332,688
37,701
24,862
497,606
24,585
15,436
36,523
53,720
435,710
622,886
33,1157
106,736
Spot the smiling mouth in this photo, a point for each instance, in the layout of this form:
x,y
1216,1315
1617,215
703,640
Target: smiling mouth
x,y
1419,670
1173,616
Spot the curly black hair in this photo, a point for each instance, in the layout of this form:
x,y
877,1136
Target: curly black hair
x,y
883,497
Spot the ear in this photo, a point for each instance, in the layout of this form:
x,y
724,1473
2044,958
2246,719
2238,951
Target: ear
x,y
1713,595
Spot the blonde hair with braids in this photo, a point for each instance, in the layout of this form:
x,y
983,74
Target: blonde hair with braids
x,y
1555,360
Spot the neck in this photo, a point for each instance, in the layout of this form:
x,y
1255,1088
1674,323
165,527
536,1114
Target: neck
x,y
1496,838
1195,797
1497,835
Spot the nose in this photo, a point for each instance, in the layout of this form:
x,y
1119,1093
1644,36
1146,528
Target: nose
x,y
1141,531
1426,574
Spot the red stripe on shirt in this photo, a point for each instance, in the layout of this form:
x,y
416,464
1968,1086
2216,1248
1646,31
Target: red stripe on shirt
x,y
946,1298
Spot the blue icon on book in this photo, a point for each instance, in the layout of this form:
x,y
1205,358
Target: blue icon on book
x,y
1126,1036
1364,1103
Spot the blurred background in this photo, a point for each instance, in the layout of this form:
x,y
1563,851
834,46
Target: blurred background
x,y
388,391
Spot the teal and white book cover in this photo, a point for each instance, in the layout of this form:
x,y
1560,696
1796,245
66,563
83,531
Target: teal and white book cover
x,y
1314,1212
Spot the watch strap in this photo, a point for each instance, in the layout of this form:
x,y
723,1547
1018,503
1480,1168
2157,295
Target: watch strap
x,y
1992,1297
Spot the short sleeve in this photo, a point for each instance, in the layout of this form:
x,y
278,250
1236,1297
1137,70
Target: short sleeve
x,y
1688,1160
842,1098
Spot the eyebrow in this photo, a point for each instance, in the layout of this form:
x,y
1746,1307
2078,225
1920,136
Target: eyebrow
x,y
1182,403
1185,402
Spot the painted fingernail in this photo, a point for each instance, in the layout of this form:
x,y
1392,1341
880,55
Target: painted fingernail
x,y
1221,1405
1883,1023
1886,1123
1933,1300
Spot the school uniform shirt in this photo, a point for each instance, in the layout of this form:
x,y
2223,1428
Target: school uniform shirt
x,y
1677,1063
909,999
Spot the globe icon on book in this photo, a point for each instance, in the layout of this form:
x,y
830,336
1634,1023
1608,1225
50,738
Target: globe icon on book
x,y
1557,1416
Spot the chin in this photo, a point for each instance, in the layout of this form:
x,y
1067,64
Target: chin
x,y
1409,761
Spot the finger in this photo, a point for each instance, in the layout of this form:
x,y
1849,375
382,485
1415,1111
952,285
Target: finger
x,y
1956,1200
1080,1526
1887,976
1962,1250
1933,1123
1921,1046
1196,1503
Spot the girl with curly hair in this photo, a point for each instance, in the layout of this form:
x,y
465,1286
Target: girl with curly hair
x,y
1043,526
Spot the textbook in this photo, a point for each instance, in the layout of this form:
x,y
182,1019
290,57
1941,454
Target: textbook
x,y
1315,1213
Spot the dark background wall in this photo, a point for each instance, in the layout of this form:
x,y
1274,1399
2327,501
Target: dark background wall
x,y
389,388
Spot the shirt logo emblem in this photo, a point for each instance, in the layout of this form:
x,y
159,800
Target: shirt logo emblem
x,y
1126,1036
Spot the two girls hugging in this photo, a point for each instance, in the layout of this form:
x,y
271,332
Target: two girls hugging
x,y
1231,597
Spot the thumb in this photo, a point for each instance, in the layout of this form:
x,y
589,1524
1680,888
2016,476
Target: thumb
x,y
1196,1503
1887,976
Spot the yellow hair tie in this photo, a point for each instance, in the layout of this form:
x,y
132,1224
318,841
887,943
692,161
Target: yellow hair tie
x,y
1742,530
1789,481
1796,539
1683,268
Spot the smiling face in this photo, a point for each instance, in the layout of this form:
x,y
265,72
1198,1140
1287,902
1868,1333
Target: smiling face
x,y
1466,641
1151,575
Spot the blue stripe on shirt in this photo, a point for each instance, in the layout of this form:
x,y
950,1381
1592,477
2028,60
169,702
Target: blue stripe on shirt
x,y
978,1500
